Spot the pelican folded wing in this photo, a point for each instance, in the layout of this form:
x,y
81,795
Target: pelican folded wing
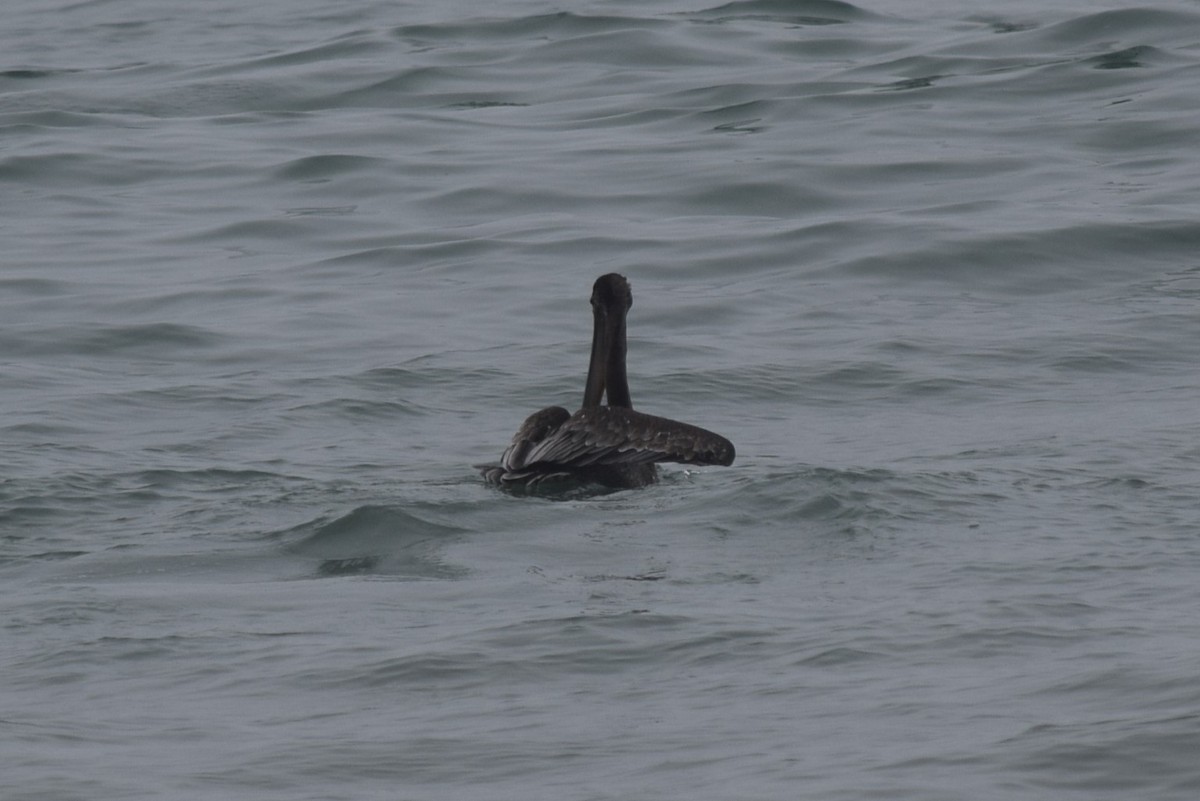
x,y
612,435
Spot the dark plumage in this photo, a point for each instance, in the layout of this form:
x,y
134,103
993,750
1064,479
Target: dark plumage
x,y
611,445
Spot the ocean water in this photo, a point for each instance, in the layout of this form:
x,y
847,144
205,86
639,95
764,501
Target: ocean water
x,y
275,275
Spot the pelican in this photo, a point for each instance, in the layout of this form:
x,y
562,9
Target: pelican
x,y
611,445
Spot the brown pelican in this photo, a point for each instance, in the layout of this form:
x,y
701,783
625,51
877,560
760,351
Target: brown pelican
x,y
611,445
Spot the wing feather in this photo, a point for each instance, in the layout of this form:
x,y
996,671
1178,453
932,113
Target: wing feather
x,y
612,435
536,428
609,444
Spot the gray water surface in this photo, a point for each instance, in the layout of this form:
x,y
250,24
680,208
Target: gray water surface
x,y
275,275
